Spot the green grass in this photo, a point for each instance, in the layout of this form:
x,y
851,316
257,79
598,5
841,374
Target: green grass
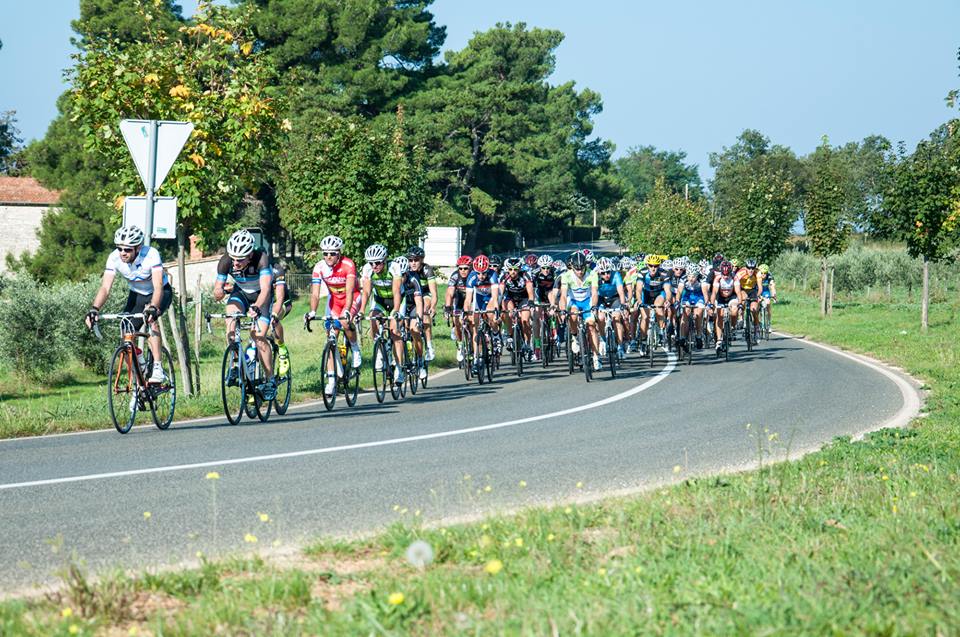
x,y
76,399
859,538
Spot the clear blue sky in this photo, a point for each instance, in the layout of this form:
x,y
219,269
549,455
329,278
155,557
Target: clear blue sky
x,y
682,76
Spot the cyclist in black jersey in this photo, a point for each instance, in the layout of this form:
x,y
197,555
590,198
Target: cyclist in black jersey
x,y
456,295
407,303
428,284
546,287
516,289
282,304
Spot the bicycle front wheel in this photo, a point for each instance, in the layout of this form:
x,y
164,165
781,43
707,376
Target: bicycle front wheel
x,y
612,350
585,359
328,369
123,392
233,390
351,384
163,397
380,374
261,406
284,388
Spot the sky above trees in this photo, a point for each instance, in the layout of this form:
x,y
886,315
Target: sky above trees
x,y
688,77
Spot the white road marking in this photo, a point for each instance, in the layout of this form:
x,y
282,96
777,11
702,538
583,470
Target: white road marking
x,y
671,364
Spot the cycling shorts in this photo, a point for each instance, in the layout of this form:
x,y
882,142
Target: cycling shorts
x,y
649,296
695,300
136,303
336,305
612,302
244,302
584,306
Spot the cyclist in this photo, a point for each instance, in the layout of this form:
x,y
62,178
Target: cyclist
x,y
496,264
456,294
376,289
630,273
407,304
252,287
768,287
653,289
149,288
724,293
694,293
748,291
530,264
546,287
575,290
339,274
482,295
516,289
607,291
282,305
428,285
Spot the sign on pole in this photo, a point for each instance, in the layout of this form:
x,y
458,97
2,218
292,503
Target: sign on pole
x,y
154,146
164,215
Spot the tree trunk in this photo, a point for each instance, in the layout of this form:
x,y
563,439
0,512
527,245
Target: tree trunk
x,y
830,293
925,301
178,325
823,286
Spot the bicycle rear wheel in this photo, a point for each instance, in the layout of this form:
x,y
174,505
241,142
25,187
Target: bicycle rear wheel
x,y
163,397
233,391
748,327
380,375
284,387
585,357
518,344
570,361
351,384
612,347
123,391
467,345
651,339
261,407
328,370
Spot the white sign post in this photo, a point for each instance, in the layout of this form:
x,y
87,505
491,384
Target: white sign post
x,y
154,146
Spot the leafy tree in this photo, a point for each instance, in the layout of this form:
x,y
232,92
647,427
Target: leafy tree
x,y
868,169
757,192
351,178
924,198
504,147
349,56
10,142
668,222
125,20
828,212
644,165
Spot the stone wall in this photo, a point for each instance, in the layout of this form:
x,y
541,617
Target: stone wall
x,y
18,230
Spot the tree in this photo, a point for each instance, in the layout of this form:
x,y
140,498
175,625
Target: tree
x,y
351,178
757,192
868,169
125,20
668,222
503,146
924,199
349,56
829,214
10,142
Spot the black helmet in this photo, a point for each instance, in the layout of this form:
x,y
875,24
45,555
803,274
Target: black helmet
x,y
577,261
751,263
496,261
415,251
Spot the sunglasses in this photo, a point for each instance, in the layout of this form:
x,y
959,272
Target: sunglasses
x,y
331,254
463,267
376,263
126,250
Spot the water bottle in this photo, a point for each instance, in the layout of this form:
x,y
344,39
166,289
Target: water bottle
x,y
251,358
141,361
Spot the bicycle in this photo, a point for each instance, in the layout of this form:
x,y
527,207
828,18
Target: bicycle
x,y
334,361
487,350
517,352
765,318
610,338
583,358
382,360
654,331
727,336
284,382
126,376
748,334
412,362
242,368
686,312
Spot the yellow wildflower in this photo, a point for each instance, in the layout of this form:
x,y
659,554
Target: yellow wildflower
x,y
677,468
493,567
551,537
523,484
74,629
146,515
250,538
198,160
264,517
579,485
67,612
488,488
395,599
518,541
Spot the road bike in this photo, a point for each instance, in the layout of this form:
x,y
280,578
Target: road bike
x,y
609,337
655,333
242,372
335,363
412,362
727,332
127,388
382,359
765,319
284,381
518,349
487,353
549,344
687,318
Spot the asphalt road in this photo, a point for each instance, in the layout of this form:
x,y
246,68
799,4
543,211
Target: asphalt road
x,y
316,473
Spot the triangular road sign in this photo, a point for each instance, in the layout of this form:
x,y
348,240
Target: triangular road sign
x,y
171,136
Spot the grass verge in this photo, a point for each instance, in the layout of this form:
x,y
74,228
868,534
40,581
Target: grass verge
x,y
859,538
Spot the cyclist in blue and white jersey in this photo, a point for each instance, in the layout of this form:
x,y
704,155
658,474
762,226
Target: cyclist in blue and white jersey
x,y
575,291
150,291
483,295
607,291
694,293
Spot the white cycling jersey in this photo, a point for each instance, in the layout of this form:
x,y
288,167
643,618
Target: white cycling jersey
x,y
139,274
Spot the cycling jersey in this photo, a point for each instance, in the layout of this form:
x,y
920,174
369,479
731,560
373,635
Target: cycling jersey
x,y
748,281
381,288
335,278
247,278
409,290
607,290
654,281
514,289
482,287
424,275
544,283
692,292
577,289
459,284
631,276
765,284
280,282
725,287
139,273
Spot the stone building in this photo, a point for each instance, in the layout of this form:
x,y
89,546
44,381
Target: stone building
x,y
23,202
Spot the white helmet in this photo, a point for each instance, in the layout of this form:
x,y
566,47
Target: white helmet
x,y
400,266
331,243
545,261
240,244
626,263
604,265
376,252
704,265
667,265
129,236
693,269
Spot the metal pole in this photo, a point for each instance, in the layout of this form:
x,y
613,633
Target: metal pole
x,y
151,180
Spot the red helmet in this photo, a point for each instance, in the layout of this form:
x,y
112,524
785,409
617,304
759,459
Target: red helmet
x,y
481,264
464,259
530,259
726,267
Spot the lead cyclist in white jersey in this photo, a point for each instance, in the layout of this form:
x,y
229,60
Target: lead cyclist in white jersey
x,y
150,291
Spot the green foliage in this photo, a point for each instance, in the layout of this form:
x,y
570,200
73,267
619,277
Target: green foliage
x,y
924,194
644,165
126,20
828,218
349,56
10,141
668,223
859,268
757,190
868,170
345,176
211,76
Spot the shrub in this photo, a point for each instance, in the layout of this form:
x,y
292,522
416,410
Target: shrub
x,y
32,340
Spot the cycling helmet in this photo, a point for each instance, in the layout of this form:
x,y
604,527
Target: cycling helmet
x,y
704,265
587,252
718,259
512,263
591,258
530,260
693,271
640,257
481,263
653,260
577,261
764,268
604,265
399,266
331,243
495,261
616,262
464,259
751,263
735,263
559,266
131,236
240,244
725,268
376,252
626,263
415,252
545,261
667,265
